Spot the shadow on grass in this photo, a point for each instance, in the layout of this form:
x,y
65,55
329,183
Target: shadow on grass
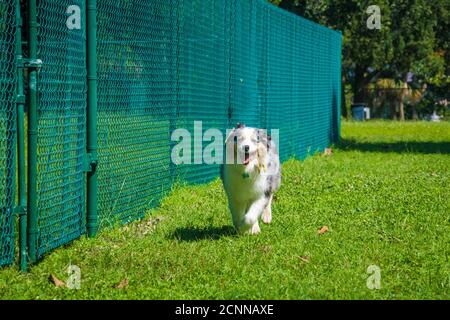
x,y
195,234
399,147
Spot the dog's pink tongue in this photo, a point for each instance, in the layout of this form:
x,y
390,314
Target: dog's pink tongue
x,y
246,159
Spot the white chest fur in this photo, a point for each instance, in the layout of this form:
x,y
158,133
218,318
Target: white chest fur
x,y
243,186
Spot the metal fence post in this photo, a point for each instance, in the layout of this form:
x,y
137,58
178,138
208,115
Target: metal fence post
x,y
92,184
21,143
339,93
32,227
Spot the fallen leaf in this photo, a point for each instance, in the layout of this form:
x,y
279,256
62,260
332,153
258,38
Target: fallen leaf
x,y
305,259
266,248
323,230
122,284
58,283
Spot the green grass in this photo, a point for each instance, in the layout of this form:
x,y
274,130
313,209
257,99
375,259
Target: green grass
x,y
384,194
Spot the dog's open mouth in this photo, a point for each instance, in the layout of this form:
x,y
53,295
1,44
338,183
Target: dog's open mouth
x,y
246,158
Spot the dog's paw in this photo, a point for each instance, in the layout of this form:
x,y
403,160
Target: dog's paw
x,y
246,229
255,229
267,216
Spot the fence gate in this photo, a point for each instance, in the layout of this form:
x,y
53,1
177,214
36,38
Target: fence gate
x,y
61,126
7,129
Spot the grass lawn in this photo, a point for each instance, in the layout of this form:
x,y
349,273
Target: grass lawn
x,y
384,193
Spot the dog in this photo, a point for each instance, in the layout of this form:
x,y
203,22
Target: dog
x,y
251,175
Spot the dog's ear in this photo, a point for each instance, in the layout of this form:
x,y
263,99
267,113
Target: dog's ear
x,y
231,135
240,125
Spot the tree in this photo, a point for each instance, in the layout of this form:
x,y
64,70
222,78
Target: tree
x,y
413,24
364,51
434,70
413,38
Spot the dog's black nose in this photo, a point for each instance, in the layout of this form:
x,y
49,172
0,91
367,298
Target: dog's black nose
x,y
246,148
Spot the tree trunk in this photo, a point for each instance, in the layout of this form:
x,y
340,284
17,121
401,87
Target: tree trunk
x,y
423,91
393,107
415,116
402,98
358,86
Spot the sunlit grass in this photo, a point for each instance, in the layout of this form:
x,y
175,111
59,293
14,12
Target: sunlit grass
x,y
384,194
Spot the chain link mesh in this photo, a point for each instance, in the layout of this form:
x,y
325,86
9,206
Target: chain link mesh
x,y
166,64
61,126
285,75
203,81
7,129
136,59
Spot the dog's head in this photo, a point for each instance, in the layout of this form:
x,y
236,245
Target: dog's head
x,y
249,144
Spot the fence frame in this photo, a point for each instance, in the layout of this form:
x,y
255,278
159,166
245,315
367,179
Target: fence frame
x,y
32,226
20,100
91,147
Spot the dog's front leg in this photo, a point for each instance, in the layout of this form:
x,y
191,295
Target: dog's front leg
x,y
249,223
267,214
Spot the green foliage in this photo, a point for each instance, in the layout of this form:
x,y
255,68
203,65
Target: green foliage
x,y
362,47
383,194
413,37
412,29
430,103
275,2
430,69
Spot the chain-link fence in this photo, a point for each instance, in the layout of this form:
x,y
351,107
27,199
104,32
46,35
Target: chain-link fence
x,y
136,99
161,65
166,64
61,126
7,129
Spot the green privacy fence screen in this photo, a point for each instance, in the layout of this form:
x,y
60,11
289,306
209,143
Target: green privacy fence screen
x,y
161,65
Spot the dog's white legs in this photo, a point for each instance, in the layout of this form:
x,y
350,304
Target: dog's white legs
x,y
267,214
249,223
249,229
255,228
